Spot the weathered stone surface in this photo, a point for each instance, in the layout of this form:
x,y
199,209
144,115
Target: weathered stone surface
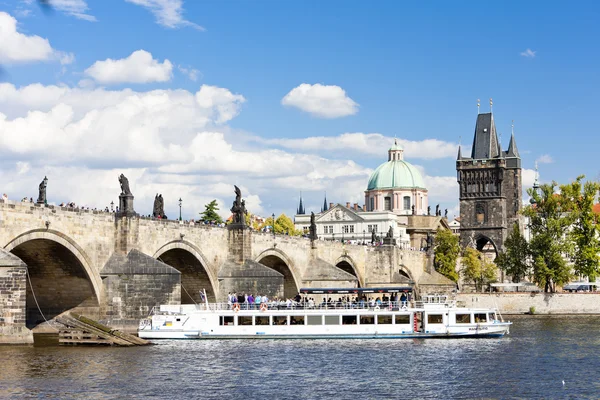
x,y
13,289
249,277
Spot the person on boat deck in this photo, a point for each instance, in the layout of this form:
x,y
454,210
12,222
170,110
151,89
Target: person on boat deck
x,y
311,303
264,299
372,302
257,300
229,299
298,298
242,300
378,302
403,299
234,298
288,303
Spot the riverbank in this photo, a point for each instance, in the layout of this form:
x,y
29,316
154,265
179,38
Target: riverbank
x,y
544,303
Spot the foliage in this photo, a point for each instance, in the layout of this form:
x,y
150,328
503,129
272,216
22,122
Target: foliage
x,y
578,200
532,310
548,222
446,252
515,260
477,268
283,225
210,213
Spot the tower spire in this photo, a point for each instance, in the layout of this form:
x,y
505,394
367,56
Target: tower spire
x,y
300,210
324,208
478,104
491,104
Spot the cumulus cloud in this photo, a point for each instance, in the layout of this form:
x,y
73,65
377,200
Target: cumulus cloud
x,y
544,159
168,13
323,101
528,53
172,142
191,73
372,144
139,67
16,47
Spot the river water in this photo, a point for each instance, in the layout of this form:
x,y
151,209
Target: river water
x,y
531,362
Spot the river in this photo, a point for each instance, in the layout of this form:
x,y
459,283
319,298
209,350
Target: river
x,y
531,362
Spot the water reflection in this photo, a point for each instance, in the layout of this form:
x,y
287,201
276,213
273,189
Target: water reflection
x,y
530,363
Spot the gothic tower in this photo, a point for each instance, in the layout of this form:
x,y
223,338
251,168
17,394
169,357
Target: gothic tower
x,y
490,187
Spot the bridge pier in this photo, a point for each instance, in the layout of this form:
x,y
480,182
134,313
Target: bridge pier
x,y
13,294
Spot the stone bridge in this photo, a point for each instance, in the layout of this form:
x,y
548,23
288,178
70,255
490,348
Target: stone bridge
x,y
54,259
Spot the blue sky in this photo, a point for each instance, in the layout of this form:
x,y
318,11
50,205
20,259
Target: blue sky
x,y
402,69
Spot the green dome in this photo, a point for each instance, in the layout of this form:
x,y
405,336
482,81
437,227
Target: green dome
x,y
396,174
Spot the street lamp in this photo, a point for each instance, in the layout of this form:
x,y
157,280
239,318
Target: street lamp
x,y
273,224
342,235
363,237
180,208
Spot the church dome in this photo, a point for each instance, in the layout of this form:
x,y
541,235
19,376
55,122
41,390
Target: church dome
x,y
396,173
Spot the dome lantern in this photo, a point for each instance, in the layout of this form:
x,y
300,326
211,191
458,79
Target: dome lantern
x,y
396,152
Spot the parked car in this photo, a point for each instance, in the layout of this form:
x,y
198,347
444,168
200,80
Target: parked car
x,y
581,287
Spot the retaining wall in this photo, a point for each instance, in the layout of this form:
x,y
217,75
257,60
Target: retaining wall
x,y
544,303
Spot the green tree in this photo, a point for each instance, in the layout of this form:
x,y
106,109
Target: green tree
x,y
446,251
210,213
548,223
515,260
578,199
477,268
284,225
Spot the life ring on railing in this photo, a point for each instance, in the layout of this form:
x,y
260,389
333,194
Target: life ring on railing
x,y
264,307
377,307
235,307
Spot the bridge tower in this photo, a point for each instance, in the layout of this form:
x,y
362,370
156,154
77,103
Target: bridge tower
x,y
490,187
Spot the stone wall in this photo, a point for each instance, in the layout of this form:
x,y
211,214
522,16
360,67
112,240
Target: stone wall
x,y
13,285
544,303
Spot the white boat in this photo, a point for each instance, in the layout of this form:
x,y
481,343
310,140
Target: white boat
x,y
432,317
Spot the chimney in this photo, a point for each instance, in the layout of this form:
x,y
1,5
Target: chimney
x,y
347,204
330,206
355,206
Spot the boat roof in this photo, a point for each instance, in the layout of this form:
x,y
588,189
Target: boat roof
x,y
405,289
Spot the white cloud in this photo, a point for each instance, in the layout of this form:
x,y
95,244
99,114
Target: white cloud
x,y
168,13
139,67
17,47
544,159
528,53
324,101
75,8
165,141
372,144
191,73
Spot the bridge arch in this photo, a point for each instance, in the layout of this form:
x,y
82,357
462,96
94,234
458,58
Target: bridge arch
x,y
347,264
280,262
196,273
61,275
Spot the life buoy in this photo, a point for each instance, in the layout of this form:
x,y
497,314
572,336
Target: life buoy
x,y
263,307
235,307
377,307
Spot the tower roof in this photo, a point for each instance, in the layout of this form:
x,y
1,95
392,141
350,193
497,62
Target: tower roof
x,y
485,142
512,148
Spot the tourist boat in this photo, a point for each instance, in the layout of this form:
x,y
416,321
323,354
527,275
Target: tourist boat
x,y
433,316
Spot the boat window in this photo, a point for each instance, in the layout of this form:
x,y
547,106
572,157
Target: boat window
x,y
279,319
491,317
463,318
367,319
435,319
226,320
479,318
297,320
314,320
384,319
402,319
245,320
348,319
262,320
332,320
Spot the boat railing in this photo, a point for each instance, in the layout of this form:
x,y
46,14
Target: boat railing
x,y
301,306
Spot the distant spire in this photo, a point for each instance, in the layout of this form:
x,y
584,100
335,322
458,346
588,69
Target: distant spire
x,y
491,104
324,208
512,145
300,207
459,157
536,184
478,104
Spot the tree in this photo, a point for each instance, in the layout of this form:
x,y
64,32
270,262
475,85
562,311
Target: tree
x,y
548,222
210,213
477,268
579,199
284,225
446,252
515,259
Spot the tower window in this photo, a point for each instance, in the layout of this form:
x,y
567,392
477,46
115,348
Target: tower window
x,y
387,203
407,202
372,203
480,217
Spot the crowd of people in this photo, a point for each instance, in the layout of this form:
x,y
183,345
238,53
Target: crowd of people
x,y
248,301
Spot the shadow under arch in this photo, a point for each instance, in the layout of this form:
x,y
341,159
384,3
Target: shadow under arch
x,y
481,244
61,274
347,264
196,274
280,262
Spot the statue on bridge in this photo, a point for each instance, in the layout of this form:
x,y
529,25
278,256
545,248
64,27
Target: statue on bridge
x,y
414,212
390,233
313,227
239,208
373,237
437,210
125,191
428,210
158,211
42,192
